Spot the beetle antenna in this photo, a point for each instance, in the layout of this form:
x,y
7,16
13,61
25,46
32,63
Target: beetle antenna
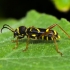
x,y
8,27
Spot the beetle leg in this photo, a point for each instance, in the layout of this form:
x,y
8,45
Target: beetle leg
x,y
57,46
52,26
54,39
27,44
16,43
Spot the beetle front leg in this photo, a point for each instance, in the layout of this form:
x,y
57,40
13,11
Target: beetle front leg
x,y
16,41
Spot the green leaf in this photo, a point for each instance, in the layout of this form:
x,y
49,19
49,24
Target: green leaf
x,y
62,5
41,55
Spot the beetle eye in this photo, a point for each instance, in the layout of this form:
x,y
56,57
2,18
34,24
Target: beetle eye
x,y
15,34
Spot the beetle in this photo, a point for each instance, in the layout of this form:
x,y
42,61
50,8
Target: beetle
x,y
35,33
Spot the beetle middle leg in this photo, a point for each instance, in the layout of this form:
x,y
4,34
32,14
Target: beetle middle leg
x,y
27,44
54,39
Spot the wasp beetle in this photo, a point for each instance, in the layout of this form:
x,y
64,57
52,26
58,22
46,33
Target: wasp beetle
x,y
35,33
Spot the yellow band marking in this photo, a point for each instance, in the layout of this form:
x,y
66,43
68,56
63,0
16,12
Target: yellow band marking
x,y
55,32
58,36
34,35
22,34
35,38
47,30
52,38
46,38
18,30
38,30
30,29
42,37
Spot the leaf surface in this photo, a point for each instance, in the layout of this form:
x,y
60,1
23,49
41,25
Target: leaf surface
x,y
41,55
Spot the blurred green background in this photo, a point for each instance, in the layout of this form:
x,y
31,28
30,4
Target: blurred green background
x,y
62,5
18,8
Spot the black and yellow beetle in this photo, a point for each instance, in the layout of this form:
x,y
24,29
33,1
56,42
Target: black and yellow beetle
x,y
35,33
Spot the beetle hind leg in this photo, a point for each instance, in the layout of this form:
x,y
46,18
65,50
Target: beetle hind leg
x,y
57,47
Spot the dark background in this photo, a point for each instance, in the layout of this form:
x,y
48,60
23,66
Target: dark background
x,y
18,8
